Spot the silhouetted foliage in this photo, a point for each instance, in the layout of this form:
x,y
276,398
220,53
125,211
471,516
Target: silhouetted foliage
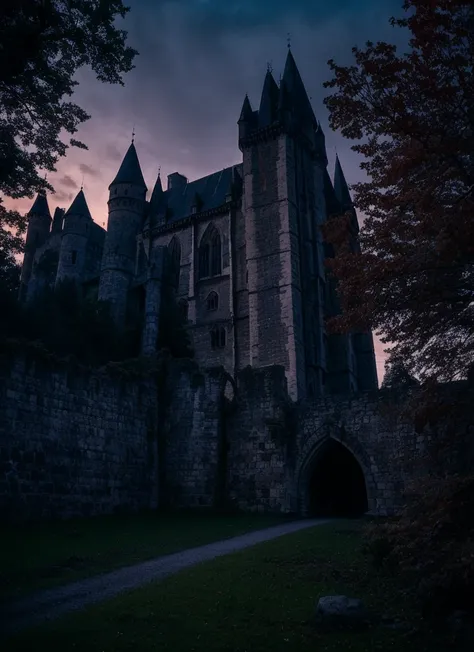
x,y
397,376
43,44
68,324
430,544
412,114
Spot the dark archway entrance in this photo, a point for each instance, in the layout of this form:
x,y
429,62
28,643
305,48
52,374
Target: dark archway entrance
x,y
336,484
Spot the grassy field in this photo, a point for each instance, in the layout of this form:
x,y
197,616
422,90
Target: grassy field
x,y
259,600
42,556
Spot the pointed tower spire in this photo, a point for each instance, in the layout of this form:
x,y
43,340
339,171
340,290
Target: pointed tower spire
x,y
247,121
296,91
267,113
340,186
246,115
130,170
157,195
40,205
79,207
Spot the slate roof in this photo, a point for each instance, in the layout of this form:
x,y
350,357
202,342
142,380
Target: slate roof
x,y
97,235
79,206
211,190
40,205
130,170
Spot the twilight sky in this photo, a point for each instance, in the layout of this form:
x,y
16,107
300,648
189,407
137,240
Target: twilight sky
x,y
197,60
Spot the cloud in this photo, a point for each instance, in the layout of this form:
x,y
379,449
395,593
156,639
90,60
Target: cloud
x,y
113,153
60,196
67,181
88,169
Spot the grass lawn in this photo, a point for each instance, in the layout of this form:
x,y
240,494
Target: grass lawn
x,y
258,600
41,556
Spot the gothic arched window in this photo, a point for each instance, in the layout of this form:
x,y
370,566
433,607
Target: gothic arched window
x,y
210,255
218,337
174,262
212,301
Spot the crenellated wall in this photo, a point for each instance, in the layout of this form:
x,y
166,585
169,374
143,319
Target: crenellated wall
x,y
81,442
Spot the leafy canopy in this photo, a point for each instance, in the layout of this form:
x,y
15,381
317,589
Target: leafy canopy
x,y
42,45
413,117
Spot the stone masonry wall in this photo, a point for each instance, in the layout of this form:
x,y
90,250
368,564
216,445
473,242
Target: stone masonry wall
x,y
191,465
73,442
274,444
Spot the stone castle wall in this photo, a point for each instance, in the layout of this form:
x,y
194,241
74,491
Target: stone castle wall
x,y
73,442
76,442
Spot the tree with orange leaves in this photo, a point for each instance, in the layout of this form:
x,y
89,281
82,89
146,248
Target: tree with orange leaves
x,y
413,117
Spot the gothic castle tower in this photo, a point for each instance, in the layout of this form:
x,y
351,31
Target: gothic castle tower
x,y
240,251
77,225
126,216
39,224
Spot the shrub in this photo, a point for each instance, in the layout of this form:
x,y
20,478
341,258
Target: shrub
x,y
431,544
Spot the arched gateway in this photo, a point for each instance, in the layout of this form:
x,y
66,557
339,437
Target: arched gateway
x,y
332,482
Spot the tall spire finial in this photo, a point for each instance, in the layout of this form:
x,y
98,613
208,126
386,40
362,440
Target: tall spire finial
x,y
288,40
82,182
269,66
133,134
159,172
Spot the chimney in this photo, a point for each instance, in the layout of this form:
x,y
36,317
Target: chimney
x,y
176,180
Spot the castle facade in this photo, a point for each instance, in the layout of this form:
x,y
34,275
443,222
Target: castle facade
x,y
241,250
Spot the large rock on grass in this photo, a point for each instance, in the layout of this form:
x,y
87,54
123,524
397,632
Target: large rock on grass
x,y
341,612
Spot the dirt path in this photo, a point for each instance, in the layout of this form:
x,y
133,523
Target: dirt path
x,y
52,603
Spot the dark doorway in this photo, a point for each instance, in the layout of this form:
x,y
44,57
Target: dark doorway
x,y
337,485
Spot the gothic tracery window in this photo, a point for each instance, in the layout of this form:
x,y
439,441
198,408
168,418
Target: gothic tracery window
x,y
218,337
212,301
210,254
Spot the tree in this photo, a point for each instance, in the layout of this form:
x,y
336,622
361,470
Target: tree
x,y
413,115
42,45
397,376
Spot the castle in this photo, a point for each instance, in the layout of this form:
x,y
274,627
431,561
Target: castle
x,y
241,250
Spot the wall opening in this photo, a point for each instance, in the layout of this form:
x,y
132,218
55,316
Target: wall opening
x,y
336,483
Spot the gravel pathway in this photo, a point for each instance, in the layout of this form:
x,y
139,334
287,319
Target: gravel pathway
x,y
52,603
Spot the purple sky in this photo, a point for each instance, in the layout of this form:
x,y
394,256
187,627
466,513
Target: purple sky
x,y
197,60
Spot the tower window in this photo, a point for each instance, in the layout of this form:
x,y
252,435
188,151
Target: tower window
x,y
210,254
73,257
218,337
212,301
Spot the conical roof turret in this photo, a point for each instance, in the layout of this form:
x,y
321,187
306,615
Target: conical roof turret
x,y
340,186
157,194
296,92
130,170
267,113
246,114
40,205
79,206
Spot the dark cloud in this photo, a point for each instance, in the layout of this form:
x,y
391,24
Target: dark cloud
x,y
198,59
88,169
60,196
68,182
113,153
